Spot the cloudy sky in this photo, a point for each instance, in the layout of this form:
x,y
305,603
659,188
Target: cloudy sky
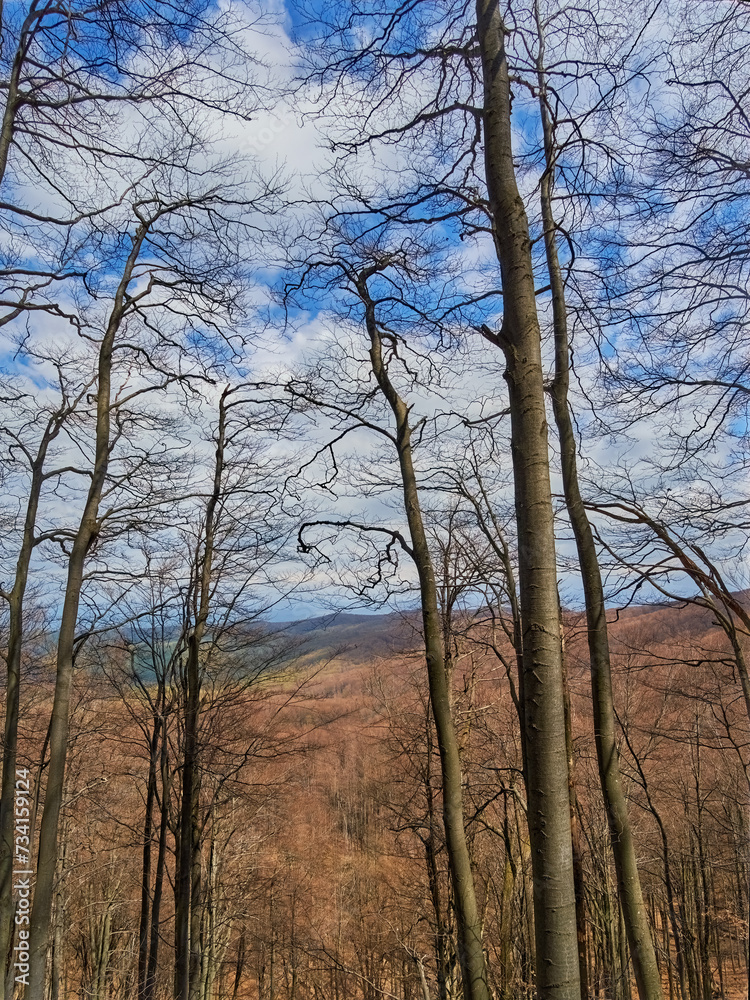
x,y
286,141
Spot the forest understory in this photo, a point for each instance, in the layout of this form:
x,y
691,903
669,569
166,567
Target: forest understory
x,y
322,850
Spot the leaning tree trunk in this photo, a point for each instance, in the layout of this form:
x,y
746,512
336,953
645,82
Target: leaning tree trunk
x,y
544,717
10,736
634,913
59,724
13,96
469,926
13,685
441,935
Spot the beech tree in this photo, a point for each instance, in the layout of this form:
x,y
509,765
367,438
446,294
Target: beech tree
x,y
34,455
118,94
477,92
110,421
605,727
237,541
383,352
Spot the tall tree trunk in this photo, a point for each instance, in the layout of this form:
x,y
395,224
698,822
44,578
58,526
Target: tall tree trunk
x,y
196,870
667,951
239,966
623,848
544,717
703,917
101,944
10,741
527,936
13,684
148,836
506,910
575,835
210,949
621,838
59,724
57,963
188,881
185,943
155,929
471,954
433,874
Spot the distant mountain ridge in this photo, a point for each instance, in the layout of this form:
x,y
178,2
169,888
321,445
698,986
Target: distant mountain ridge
x,y
364,636
360,636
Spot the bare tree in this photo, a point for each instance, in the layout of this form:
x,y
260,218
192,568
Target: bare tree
x,y
392,266
34,455
459,135
605,728
161,225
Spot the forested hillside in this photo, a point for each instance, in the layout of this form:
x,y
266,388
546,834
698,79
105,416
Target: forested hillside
x,y
325,863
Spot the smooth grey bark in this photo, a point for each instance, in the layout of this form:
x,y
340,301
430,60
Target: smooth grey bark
x,y
544,717
87,532
634,913
468,921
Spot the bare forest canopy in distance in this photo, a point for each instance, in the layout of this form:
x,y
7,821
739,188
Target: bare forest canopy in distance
x,y
374,583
